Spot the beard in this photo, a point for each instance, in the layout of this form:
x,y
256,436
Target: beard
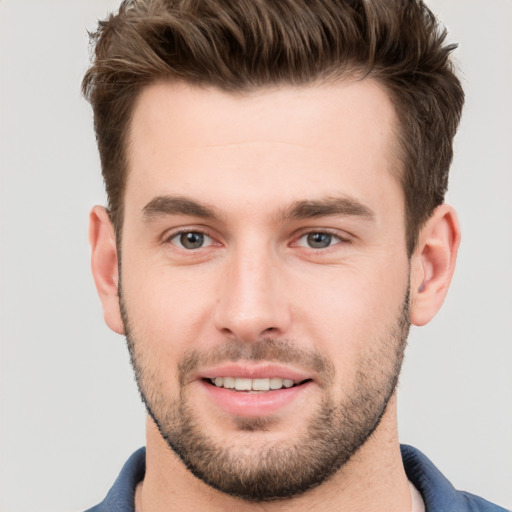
x,y
280,469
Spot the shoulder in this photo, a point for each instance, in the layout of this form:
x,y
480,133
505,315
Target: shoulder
x,y
437,492
477,504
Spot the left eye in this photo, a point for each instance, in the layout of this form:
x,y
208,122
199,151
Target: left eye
x,y
318,240
191,240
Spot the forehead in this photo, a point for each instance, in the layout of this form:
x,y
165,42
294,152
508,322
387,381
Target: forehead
x,y
301,139
277,113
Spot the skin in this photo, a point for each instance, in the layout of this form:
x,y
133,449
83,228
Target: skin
x,y
250,158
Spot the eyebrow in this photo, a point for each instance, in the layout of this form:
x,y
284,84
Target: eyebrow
x,y
306,209
344,205
171,205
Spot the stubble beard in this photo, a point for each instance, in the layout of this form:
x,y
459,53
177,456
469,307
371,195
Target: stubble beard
x,y
283,469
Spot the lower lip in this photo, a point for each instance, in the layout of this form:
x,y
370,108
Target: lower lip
x,y
255,404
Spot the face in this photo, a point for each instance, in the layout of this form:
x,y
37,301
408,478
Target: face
x,y
264,285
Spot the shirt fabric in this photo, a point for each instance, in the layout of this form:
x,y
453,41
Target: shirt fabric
x,y
437,492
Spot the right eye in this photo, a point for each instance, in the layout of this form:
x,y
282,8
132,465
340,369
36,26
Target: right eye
x,y
191,240
318,240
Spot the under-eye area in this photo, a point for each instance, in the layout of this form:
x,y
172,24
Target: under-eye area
x,y
254,385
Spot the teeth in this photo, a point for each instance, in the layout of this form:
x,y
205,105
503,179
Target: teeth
x,y
276,383
261,384
229,382
243,384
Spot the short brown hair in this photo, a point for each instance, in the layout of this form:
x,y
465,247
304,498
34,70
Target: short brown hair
x,y
242,45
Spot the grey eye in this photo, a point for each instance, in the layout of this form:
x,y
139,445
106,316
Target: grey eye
x,y
191,240
319,240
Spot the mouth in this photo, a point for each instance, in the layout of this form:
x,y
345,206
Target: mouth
x,y
247,385
261,390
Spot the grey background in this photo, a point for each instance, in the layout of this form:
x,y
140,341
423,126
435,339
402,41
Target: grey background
x,y
69,410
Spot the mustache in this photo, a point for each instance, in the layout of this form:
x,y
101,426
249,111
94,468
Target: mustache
x,y
266,350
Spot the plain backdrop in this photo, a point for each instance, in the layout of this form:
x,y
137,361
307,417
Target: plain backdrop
x,y
70,414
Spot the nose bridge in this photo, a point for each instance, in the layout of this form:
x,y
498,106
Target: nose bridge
x,y
251,304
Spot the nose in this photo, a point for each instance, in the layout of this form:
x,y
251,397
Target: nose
x,y
252,303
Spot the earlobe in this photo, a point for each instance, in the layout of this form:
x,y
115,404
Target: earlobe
x,y
433,264
104,264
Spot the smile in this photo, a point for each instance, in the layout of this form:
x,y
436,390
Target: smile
x,y
252,390
245,384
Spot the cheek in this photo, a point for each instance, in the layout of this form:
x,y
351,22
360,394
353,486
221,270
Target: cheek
x,y
166,309
349,309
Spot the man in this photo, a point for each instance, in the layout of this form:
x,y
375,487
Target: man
x,y
276,174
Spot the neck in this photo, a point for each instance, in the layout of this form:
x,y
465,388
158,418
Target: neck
x,y
373,478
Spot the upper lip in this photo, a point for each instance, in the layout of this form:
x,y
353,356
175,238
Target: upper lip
x,y
254,371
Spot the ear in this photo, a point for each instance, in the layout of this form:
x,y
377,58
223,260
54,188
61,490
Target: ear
x,y
433,263
104,265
